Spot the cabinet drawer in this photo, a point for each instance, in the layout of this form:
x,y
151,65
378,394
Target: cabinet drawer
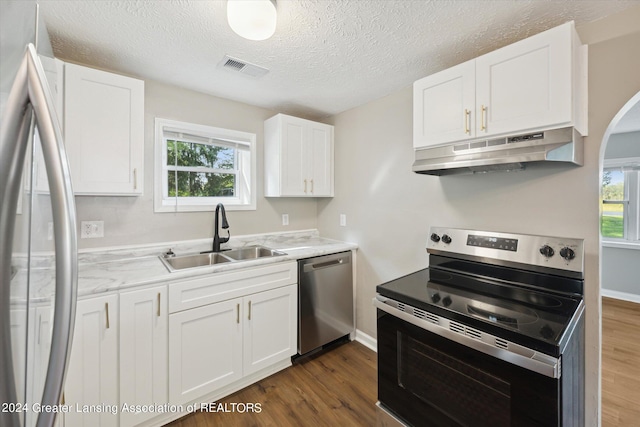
x,y
223,286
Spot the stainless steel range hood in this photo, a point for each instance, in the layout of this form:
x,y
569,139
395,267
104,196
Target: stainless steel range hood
x,y
501,154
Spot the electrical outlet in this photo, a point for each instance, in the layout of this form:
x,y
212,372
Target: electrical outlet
x,y
343,220
285,219
91,229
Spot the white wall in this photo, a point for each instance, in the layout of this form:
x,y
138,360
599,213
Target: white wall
x,y
621,145
620,272
131,220
389,209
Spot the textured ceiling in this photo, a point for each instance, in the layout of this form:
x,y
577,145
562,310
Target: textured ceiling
x,y
325,57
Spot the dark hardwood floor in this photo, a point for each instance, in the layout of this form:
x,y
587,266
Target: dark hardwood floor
x,y
620,363
333,388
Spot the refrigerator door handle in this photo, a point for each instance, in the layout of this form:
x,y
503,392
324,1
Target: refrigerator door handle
x,y
31,89
12,158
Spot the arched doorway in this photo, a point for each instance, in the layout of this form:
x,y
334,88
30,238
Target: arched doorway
x,y
619,266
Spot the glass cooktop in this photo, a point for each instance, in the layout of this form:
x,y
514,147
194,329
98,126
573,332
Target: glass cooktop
x,y
535,319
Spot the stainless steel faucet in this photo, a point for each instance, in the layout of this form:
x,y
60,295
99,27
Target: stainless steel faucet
x,y
225,225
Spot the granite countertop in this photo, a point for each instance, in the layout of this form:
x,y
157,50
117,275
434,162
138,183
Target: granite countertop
x,y
111,270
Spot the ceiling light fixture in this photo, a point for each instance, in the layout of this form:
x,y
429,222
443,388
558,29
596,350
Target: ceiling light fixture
x,y
252,19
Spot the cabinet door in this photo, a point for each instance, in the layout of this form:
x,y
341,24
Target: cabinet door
x,y
92,375
104,131
525,85
443,106
143,351
205,350
270,327
294,152
320,149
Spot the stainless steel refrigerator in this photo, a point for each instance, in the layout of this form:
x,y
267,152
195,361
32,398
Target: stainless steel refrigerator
x,y
38,244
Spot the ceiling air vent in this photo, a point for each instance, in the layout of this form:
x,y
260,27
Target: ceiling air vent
x,y
244,67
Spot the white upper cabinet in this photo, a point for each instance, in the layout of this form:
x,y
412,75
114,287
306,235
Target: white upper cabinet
x,y
443,104
298,157
535,84
104,131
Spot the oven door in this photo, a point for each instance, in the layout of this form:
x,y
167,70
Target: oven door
x,y
427,380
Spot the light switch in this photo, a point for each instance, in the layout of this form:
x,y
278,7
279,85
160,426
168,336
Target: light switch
x,y
343,220
285,219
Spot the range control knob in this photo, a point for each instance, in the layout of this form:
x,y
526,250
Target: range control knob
x,y
435,298
435,237
567,253
547,251
446,301
446,239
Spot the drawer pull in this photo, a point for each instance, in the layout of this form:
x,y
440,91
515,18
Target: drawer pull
x,y
249,310
238,314
158,304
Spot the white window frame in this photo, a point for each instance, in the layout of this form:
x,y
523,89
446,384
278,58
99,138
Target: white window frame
x,y
631,167
246,186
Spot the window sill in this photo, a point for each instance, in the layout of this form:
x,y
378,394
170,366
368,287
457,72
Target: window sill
x,y
621,245
202,208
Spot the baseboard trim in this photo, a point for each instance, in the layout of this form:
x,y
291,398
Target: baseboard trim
x,y
625,296
367,340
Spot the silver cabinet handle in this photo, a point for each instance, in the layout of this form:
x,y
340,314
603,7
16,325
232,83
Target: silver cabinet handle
x,y
483,109
135,178
30,94
305,186
238,313
39,328
106,309
467,121
311,186
158,304
249,316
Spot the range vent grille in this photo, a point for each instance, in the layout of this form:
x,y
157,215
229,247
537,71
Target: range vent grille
x,y
421,314
456,327
241,66
500,343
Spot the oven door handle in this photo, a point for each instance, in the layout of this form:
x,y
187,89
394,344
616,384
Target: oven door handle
x,y
469,337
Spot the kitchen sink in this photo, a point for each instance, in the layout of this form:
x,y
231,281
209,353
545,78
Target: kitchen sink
x,y
252,252
192,261
184,262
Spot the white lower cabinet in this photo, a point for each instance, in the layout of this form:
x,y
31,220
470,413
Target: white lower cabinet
x,y
205,350
229,326
270,328
92,376
143,353
176,344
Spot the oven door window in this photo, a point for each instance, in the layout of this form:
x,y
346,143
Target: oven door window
x,y
428,380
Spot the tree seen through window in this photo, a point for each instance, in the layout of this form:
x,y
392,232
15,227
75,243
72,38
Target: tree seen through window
x,y
201,170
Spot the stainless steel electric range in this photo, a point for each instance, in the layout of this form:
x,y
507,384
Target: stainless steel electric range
x,y
491,334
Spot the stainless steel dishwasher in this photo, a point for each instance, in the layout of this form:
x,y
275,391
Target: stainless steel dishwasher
x,y
325,300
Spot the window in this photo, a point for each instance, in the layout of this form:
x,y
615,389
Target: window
x,y
199,166
620,201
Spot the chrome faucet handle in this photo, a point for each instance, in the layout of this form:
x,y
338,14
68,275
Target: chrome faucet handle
x,y
169,254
